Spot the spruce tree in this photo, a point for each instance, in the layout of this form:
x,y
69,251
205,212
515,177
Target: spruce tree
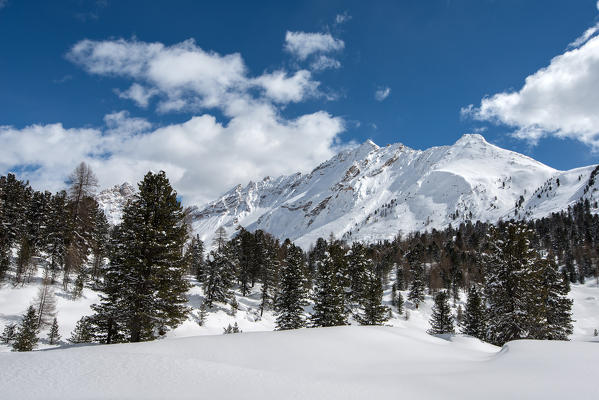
x,y
329,307
9,333
417,286
83,332
196,250
474,315
53,334
26,338
292,293
148,265
219,274
441,320
399,303
558,308
372,311
512,285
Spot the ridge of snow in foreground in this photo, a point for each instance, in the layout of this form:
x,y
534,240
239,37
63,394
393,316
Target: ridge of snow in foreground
x,y
350,362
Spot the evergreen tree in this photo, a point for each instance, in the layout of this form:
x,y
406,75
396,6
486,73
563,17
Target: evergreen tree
x,y
219,275
232,329
9,333
292,294
416,293
26,338
372,311
329,307
399,303
441,320
474,315
558,308
53,334
148,264
267,248
196,250
357,266
83,332
515,304
202,314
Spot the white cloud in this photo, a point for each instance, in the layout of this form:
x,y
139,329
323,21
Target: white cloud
x,y
560,100
203,156
382,93
303,44
139,94
282,88
184,76
597,5
323,62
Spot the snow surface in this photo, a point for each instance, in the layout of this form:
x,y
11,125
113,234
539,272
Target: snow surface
x,y
326,363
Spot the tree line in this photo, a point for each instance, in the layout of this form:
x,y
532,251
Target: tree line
x,y
142,267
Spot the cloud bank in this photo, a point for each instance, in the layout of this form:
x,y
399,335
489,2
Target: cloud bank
x,y
202,156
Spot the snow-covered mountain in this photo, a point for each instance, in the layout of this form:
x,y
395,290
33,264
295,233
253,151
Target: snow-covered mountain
x,y
370,193
113,200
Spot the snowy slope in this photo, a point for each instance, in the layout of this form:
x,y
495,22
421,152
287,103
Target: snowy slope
x,y
113,200
326,363
371,193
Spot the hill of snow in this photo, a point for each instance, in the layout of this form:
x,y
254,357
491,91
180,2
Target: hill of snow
x,y
371,193
325,363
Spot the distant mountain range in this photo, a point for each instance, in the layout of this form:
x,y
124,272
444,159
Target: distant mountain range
x,y
372,193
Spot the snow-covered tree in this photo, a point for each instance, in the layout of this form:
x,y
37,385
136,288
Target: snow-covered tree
x,y
329,307
9,333
292,293
83,332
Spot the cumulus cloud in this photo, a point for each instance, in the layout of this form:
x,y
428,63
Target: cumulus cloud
x,y
203,156
560,100
382,93
304,44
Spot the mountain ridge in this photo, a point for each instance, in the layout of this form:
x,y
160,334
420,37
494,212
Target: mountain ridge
x,y
372,193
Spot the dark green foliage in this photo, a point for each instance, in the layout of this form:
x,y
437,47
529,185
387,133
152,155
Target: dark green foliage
x,y
329,299
220,274
26,338
196,254
557,307
53,334
83,332
144,291
441,320
512,290
372,311
9,333
417,286
292,293
473,323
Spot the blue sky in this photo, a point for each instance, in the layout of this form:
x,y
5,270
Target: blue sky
x,y
217,93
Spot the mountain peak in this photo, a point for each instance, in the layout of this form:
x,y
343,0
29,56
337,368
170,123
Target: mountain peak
x,y
471,138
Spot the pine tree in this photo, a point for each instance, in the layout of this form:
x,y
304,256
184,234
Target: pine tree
x,y
196,250
372,311
474,315
399,303
202,314
512,282
267,248
9,333
292,294
53,334
148,264
416,293
329,307
26,338
83,332
441,320
219,274
357,266
558,308
231,329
